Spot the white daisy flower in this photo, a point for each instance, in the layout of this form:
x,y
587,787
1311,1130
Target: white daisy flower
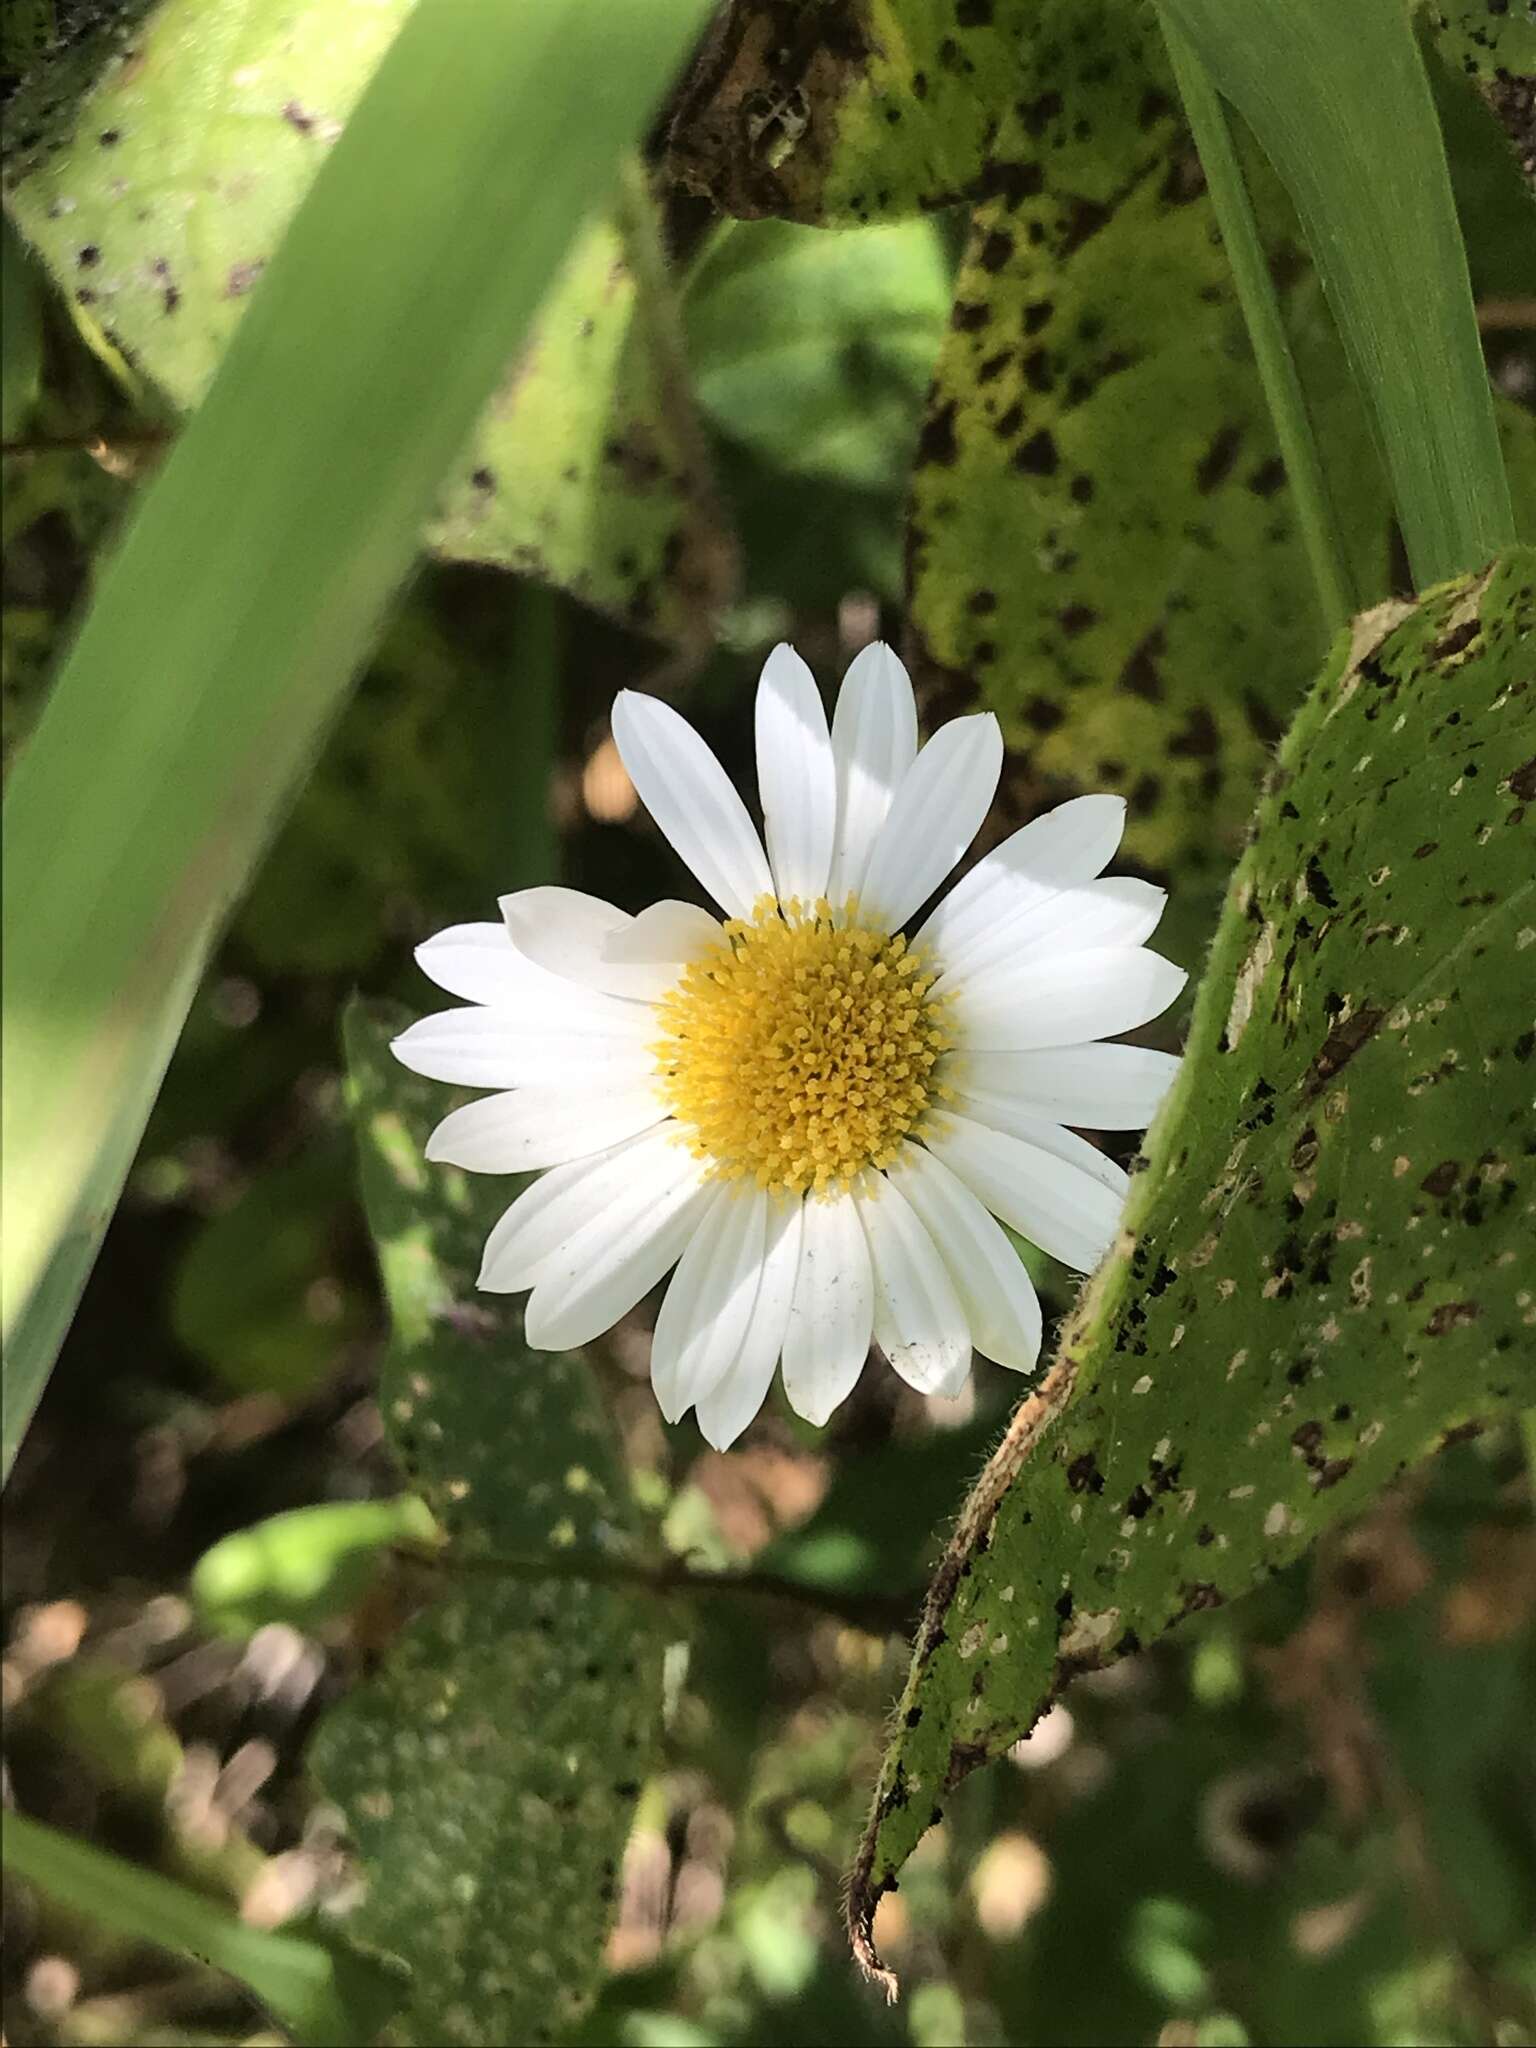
x,y
815,1119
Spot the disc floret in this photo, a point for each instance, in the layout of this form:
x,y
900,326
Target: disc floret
x,y
802,1049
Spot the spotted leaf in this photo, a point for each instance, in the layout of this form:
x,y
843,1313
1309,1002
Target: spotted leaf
x,y
1322,1273
489,1772
1101,538
155,165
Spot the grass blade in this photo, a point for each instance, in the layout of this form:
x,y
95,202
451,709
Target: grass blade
x,y
1339,101
253,579
320,1997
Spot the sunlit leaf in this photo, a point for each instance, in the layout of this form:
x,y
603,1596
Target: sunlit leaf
x,y
585,471
1320,1273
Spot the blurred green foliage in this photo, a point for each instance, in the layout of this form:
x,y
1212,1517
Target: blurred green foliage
x,y
1305,1816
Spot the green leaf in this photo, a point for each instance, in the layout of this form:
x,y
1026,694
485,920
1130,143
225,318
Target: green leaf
x,y
251,582
584,471
242,1296
305,1567
489,1773
1331,99
1101,537
1319,1274
589,470
813,349
325,2000
21,334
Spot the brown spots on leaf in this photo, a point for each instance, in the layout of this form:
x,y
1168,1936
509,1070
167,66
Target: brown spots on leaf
x,y
1013,183
1183,181
637,459
1199,1598
1523,782
296,117
1083,1474
1441,1179
1197,738
1457,640
1216,464
936,444
995,251
1340,1047
1084,219
1452,1315
1037,114
1038,456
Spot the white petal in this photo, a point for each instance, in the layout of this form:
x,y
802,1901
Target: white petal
x,y
795,777
1061,850
707,1307
831,1318
919,1323
935,814
479,964
571,1037
874,743
1098,1087
568,933
995,1290
1063,999
1117,912
668,933
1002,1113
599,1274
690,797
530,1128
561,1203
1068,1210
725,1411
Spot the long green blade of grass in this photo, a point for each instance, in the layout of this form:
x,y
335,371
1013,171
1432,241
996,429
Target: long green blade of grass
x,y
322,1996
251,583
1338,99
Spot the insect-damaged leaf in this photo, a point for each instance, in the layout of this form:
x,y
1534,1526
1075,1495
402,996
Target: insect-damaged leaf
x,y
1321,1270
489,1773
1101,535
155,167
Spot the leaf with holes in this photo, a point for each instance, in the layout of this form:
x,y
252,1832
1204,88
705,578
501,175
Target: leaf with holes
x,y
489,1773
1322,1271
585,472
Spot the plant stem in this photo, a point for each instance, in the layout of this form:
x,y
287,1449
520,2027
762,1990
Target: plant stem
x,y
1266,330
880,1613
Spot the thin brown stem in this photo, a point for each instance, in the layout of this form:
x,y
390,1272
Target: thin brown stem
x,y
877,1613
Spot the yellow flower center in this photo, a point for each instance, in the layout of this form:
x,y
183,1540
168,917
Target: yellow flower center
x,y
801,1051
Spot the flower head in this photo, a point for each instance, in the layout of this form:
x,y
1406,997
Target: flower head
x,y
816,1119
